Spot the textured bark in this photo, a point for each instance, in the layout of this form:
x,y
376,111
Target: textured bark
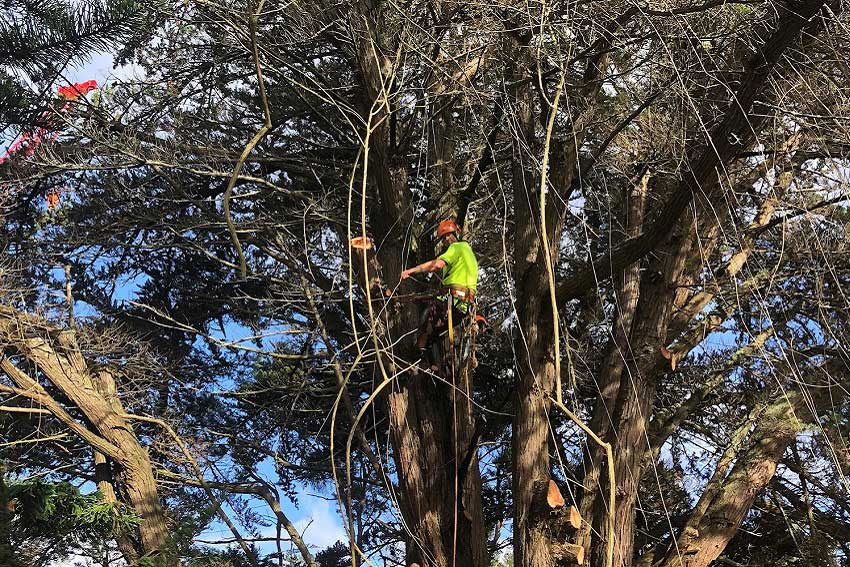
x,y
618,351
102,404
727,499
536,369
104,479
537,541
68,371
427,459
663,288
680,244
103,473
531,456
62,363
427,447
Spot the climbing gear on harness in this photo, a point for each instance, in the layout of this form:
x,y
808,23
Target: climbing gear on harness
x,y
460,292
448,307
462,297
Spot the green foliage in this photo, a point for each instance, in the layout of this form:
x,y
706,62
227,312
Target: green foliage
x,y
230,557
502,561
16,105
38,39
337,555
36,35
44,521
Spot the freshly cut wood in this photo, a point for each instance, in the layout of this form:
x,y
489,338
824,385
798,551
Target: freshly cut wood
x,y
575,517
669,355
554,497
361,243
577,550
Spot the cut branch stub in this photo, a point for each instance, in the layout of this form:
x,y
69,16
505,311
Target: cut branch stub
x,y
575,517
669,355
553,496
361,243
566,553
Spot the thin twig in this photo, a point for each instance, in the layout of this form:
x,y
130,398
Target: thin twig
x,y
228,193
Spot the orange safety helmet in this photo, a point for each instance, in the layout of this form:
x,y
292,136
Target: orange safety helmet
x,y
447,227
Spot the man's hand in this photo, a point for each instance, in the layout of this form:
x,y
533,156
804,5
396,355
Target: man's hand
x,y
407,273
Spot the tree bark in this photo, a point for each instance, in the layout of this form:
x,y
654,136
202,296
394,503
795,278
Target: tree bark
x,y
536,541
63,365
429,432
677,261
727,499
535,365
618,352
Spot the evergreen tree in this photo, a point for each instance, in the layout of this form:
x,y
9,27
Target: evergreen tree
x,y
40,38
41,522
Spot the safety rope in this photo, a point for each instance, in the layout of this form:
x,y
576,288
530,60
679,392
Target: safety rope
x,y
450,303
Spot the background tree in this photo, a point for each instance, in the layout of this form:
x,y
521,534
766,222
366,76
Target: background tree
x,y
41,39
42,522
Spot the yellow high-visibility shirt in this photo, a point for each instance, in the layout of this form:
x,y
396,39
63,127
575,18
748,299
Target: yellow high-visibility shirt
x,y
461,266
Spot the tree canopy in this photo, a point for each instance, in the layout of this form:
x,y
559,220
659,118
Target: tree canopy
x,y
657,197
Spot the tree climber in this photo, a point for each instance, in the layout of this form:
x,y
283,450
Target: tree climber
x,y
459,280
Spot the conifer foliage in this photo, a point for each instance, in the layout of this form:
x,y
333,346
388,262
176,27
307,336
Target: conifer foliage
x,y
39,39
209,325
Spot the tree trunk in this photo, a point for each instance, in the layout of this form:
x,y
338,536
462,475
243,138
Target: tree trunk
x,y
136,475
676,264
727,500
446,528
535,364
105,485
663,287
618,352
63,365
530,447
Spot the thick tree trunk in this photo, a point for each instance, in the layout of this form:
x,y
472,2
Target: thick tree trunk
x,y
618,352
663,287
446,526
727,499
136,475
63,365
430,436
537,540
530,442
535,364
105,484
106,413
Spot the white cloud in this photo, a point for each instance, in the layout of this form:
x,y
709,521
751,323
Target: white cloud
x,y
99,66
321,525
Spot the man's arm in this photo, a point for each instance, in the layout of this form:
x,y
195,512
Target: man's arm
x,y
425,268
